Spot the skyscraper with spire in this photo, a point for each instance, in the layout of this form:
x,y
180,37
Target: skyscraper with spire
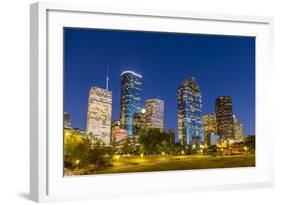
x,y
99,113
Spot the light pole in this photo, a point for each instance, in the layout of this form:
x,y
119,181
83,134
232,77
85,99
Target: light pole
x,y
246,149
77,164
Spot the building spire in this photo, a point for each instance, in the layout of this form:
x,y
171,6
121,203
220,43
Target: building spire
x,y
107,78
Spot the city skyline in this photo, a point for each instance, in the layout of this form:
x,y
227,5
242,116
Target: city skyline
x,y
74,99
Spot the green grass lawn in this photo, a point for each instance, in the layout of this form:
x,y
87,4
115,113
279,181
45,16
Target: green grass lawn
x,y
165,163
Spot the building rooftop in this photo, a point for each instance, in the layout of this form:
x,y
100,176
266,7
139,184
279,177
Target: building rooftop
x,y
132,72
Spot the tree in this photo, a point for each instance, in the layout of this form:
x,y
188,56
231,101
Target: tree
x,y
171,133
76,147
250,141
100,155
128,147
85,150
155,141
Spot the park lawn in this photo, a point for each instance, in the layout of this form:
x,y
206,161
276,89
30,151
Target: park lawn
x,y
150,164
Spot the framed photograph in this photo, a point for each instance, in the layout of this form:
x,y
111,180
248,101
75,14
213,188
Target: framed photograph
x,y
131,102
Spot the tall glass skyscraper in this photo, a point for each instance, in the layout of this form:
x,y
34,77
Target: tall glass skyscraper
x,y
190,121
131,87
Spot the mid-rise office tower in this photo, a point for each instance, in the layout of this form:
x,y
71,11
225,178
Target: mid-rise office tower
x,y
238,129
67,120
190,122
224,117
154,113
138,123
209,122
131,86
99,114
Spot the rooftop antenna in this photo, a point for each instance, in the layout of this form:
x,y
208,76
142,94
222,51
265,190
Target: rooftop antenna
x,y
107,78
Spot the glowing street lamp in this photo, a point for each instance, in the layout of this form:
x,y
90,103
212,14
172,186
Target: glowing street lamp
x,y
77,163
182,152
246,149
117,157
141,155
163,153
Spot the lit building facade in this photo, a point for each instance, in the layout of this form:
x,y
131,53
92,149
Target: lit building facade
x,y
131,86
154,113
238,130
99,114
114,125
224,117
67,120
209,122
212,139
138,122
190,121
118,135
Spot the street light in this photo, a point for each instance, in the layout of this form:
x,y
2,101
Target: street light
x,y
117,157
77,163
246,149
182,152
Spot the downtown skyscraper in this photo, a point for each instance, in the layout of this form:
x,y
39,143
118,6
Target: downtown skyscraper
x,y
67,120
99,114
209,122
238,129
154,113
131,86
190,122
224,117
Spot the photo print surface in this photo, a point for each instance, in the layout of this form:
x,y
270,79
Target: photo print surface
x,y
137,101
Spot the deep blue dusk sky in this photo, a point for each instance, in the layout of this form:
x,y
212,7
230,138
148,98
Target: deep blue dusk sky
x,y
222,65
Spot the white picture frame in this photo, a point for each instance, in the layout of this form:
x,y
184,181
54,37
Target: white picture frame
x,y
46,176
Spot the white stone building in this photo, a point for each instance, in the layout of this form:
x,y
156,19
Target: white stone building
x,y
154,113
99,114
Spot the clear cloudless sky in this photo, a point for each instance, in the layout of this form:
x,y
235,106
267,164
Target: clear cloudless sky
x,y
222,65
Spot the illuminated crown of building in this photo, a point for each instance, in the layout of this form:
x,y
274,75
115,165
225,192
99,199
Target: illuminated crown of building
x,y
132,72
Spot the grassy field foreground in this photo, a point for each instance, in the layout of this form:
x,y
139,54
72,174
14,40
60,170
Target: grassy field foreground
x,y
165,163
